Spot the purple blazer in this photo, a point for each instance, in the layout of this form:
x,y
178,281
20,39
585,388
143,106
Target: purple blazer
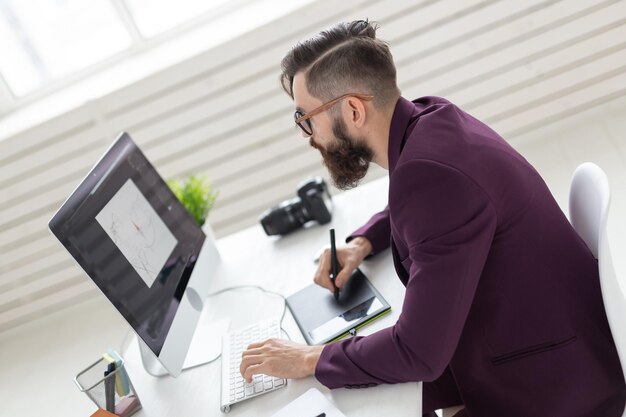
x,y
499,287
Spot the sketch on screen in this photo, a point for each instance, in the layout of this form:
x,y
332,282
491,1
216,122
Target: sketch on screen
x,y
138,231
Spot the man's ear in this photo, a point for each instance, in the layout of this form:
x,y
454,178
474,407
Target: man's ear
x,y
355,111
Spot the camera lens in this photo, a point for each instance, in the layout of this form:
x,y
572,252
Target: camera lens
x,y
287,217
313,203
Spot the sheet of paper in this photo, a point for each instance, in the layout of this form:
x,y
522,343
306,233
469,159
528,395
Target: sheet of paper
x,y
310,404
138,231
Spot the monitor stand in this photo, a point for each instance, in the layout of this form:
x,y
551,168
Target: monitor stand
x,y
205,347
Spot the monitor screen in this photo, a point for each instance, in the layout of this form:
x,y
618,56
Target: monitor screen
x,y
132,236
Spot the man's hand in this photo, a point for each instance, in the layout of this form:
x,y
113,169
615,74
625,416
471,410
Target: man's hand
x,y
280,358
349,258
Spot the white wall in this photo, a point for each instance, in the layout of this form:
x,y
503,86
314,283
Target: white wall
x,y
597,134
530,69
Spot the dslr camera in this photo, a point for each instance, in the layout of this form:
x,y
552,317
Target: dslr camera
x,y
313,203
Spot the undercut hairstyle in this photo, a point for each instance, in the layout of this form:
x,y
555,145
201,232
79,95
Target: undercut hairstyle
x,y
345,58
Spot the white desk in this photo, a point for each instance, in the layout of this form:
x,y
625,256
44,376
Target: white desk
x,y
46,354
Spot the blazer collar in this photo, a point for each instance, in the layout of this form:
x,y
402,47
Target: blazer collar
x,y
402,117
404,121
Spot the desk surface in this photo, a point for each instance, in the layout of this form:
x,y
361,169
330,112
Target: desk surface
x,y
46,354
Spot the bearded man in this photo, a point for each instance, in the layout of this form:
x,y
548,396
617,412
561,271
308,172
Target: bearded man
x,y
503,312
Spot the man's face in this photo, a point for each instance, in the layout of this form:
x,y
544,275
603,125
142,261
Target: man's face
x,y
346,157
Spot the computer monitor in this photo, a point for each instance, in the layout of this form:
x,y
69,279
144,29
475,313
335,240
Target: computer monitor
x,y
141,247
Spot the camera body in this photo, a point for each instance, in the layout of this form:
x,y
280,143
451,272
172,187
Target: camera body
x,y
313,203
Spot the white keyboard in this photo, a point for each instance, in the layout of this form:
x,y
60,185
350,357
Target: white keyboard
x,y
234,388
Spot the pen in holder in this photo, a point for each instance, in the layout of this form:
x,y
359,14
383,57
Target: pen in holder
x,y
109,387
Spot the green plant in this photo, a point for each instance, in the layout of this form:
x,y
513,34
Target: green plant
x,y
197,195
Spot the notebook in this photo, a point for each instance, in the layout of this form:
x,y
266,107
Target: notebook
x,y
323,319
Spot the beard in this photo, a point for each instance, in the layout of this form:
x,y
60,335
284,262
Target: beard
x,y
346,158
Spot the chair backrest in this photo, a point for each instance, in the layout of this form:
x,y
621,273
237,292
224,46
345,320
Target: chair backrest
x,y
589,202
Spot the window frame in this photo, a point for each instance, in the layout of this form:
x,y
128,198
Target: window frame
x,y
10,103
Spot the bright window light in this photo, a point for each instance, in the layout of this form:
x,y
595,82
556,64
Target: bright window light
x,y
156,16
43,40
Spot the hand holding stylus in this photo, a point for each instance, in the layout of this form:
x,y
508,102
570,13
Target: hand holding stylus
x,y
349,257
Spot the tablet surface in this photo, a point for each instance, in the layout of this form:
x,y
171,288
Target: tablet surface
x,y
323,319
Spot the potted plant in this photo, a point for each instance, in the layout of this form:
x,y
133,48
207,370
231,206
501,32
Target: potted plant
x,y
197,195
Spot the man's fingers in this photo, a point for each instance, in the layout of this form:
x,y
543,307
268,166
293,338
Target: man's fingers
x,y
327,272
347,264
247,362
322,277
255,345
252,370
343,276
252,352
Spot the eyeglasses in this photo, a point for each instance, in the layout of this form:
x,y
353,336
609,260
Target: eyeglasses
x,y
302,120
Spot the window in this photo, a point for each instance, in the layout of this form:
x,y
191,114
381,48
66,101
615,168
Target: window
x,y
47,43
156,16
44,40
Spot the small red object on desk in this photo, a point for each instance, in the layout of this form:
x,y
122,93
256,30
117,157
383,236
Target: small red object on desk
x,y
102,413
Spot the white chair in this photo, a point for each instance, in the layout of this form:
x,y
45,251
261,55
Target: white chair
x,y
589,200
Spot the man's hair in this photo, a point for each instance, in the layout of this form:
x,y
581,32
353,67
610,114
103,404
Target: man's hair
x,y
345,58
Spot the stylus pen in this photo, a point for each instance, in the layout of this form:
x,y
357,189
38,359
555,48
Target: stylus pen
x,y
333,262
109,388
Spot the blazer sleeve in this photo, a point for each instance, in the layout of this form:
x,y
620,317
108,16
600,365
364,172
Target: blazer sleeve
x,y
448,223
377,230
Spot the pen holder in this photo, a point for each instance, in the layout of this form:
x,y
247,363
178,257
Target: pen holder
x,y
113,392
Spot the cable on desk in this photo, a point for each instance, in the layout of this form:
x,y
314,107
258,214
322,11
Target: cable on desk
x,y
224,290
247,287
